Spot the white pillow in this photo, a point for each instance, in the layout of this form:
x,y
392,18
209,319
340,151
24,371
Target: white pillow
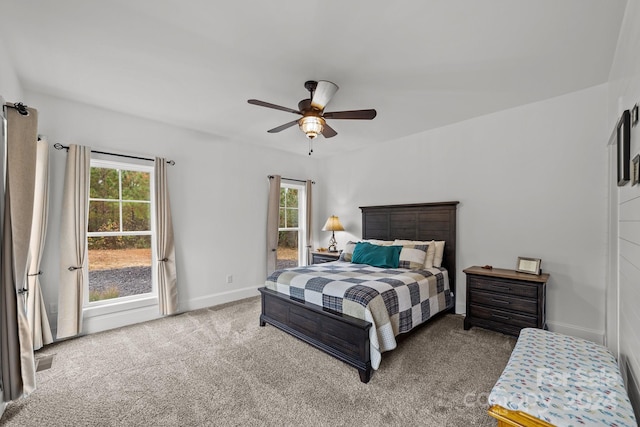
x,y
431,250
379,242
437,259
347,253
413,256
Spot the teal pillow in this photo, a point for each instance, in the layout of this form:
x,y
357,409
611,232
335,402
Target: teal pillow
x,y
376,255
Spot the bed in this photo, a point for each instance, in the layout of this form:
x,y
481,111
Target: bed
x,y
354,339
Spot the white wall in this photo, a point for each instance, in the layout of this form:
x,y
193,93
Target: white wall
x,y
531,181
218,193
10,87
624,92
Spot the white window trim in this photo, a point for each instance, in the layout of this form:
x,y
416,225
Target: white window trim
x,y
131,302
302,220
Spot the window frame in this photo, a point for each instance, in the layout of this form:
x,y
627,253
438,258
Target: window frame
x,y
129,301
302,219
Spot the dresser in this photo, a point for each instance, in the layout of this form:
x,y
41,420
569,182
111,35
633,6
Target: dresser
x,y
320,257
505,300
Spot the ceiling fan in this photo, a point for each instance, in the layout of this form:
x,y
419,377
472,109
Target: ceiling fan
x,y
313,121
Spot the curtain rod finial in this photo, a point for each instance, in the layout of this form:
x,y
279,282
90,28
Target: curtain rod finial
x,y
171,162
22,109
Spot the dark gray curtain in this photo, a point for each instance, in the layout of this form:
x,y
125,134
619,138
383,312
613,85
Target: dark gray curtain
x,y
17,364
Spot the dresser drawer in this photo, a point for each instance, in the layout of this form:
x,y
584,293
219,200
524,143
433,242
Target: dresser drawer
x,y
503,286
320,258
504,301
503,316
505,328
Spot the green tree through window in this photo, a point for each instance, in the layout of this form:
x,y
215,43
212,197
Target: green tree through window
x,y
120,231
291,227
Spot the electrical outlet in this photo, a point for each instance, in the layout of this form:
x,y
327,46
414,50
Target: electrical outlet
x,y
229,278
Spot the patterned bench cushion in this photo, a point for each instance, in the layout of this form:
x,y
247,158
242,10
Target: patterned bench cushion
x,y
563,380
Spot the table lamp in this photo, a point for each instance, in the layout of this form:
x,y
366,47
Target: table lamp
x,y
333,225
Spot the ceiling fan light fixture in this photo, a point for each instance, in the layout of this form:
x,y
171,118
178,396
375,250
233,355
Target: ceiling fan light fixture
x,y
311,126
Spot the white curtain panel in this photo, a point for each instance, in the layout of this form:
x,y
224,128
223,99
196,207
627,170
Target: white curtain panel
x,y
309,209
165,247
273,216
16,348
36,312
74,274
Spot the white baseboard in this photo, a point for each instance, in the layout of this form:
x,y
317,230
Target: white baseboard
x,y
577,331
102,321
219,298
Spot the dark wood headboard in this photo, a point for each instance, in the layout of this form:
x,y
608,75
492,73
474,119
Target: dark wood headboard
x,y
422,221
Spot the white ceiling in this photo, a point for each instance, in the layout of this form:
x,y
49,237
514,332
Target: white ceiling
x,y
420,64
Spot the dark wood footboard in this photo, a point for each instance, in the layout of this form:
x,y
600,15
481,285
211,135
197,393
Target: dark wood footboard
x,y
343,337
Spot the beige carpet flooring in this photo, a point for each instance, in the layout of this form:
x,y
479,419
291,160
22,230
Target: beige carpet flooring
x,y
216,366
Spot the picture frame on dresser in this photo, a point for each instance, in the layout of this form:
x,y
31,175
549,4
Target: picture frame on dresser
x,y
528,265
635,172
623,147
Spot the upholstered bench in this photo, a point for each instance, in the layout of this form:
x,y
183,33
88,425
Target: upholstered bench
x,y
558,380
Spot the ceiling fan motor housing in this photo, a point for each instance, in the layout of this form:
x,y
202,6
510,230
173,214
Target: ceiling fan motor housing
x,y
304,105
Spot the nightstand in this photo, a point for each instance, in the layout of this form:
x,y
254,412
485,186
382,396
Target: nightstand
x,y
321,257
505,300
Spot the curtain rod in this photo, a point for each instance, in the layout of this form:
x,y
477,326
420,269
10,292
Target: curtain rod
x,y
59,146
22,109
290,179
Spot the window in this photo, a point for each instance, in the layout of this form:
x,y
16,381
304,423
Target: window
x,y
120,234
291,229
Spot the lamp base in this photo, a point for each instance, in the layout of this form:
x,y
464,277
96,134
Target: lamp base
x,y
333,245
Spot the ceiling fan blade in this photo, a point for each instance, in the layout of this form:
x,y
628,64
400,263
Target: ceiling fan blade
x,y
323,94
283,127
328,131
354,114
274,106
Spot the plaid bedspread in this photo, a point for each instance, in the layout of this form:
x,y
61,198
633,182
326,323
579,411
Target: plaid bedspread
x,y
393,300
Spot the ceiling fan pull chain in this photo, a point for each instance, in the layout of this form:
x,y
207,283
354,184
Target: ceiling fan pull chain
x,y
310,146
